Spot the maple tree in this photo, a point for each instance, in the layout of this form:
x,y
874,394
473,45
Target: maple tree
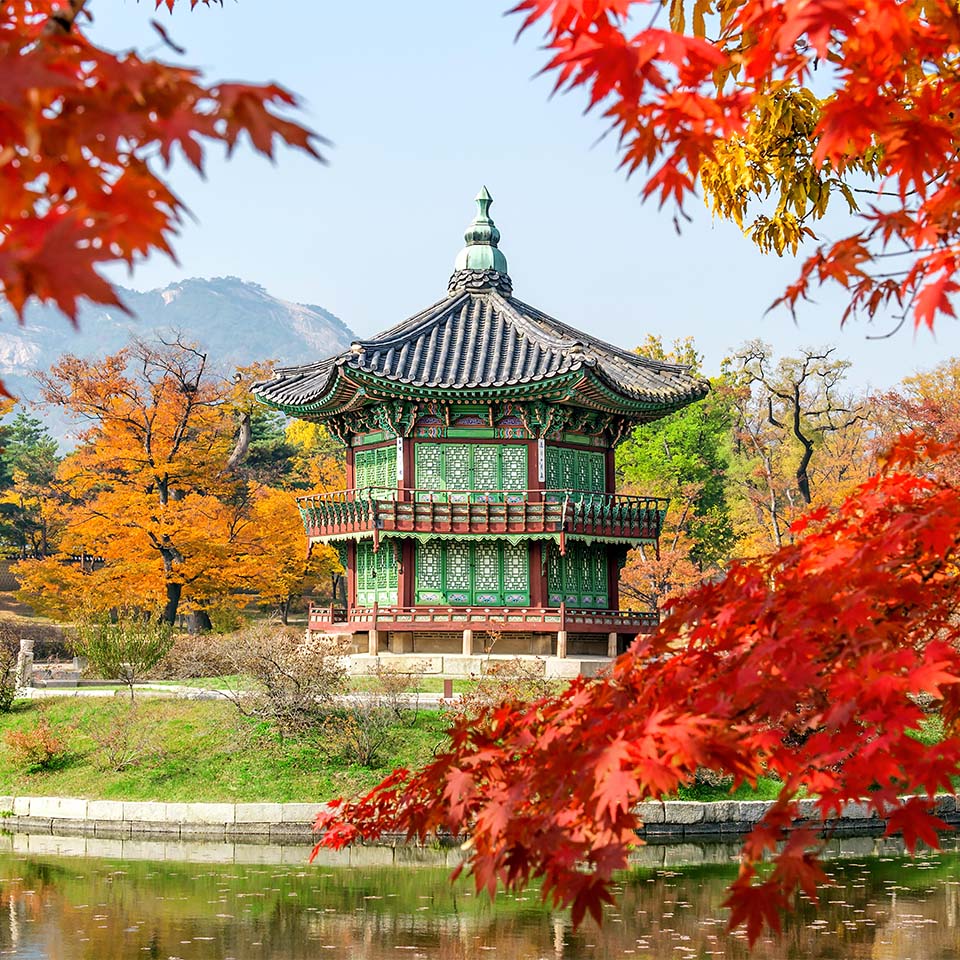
x,y
737,108
805,665
84,131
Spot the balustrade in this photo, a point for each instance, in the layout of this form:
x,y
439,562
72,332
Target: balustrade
x,y
482,512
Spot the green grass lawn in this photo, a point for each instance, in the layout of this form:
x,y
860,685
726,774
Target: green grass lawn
x,y
207,753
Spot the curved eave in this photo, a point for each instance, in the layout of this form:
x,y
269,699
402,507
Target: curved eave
x,y
582,386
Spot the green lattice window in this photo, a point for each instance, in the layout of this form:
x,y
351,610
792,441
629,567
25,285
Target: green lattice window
x,y
578,579
477,467
581,471
375,471
482,573
376,574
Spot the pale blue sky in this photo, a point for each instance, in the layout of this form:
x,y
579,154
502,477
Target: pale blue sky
x,y
425,102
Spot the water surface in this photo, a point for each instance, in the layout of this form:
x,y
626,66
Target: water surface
x,y
883,907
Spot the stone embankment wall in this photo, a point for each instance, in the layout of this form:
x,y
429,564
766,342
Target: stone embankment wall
x,y
292,822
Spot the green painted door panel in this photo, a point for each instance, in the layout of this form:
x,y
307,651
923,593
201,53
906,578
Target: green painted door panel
x,y
482,573
377,574
578,579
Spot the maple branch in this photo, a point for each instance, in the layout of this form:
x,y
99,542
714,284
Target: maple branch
x,y
62,18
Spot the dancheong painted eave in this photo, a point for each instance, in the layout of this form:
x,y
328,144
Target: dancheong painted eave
x,y
482,342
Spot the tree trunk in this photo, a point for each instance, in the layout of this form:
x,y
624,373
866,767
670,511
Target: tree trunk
x,y
285,611
199,621
169,615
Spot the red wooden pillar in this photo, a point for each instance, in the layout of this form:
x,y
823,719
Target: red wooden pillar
x,y
611,471
351,574
536,486
538,587
613,575
407,574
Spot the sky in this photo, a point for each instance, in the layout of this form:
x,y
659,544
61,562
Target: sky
x,y
424,103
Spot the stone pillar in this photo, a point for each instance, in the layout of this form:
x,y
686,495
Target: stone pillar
x,y
611,644
562,644
24,674
468,643
373,643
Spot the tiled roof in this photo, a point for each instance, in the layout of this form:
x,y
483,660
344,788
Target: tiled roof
x,y
479,336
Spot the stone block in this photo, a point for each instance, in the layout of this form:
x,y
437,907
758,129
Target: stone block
x,y
459,666
6,804
858,810
204,831
683,811
560,668
752,811
67,808
946,805
291,833
112,828
21,806
34,824
414,663
720,811
73,828
247,832
105,810
149,811
808,809
300,812
212,813
142,830
651,811
258,813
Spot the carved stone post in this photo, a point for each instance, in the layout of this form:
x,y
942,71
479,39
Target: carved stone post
x,y
24,674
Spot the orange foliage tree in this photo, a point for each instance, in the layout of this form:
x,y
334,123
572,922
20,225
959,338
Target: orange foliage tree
x,y
156,495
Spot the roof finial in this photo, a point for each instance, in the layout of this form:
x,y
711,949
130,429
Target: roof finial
x,y
482,237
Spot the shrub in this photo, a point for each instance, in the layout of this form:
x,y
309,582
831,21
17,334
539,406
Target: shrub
x,y
123,741
359,733
195,655
517,679
124,647
36,748
290,680
397,690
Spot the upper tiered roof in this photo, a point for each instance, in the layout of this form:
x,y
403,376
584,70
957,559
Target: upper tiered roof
x,y
482,343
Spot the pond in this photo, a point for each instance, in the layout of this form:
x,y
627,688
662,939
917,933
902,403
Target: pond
x,y
885,907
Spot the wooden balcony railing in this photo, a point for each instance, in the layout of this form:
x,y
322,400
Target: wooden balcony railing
x,y
334,619
376,509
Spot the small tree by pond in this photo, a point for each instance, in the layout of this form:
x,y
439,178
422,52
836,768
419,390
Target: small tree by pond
x,y
124,647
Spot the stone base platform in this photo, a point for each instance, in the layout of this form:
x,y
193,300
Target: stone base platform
x,y
458,665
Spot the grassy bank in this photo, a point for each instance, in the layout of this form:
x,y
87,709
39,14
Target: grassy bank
x,y
195,751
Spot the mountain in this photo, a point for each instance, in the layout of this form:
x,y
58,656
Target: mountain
x,y
236,321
